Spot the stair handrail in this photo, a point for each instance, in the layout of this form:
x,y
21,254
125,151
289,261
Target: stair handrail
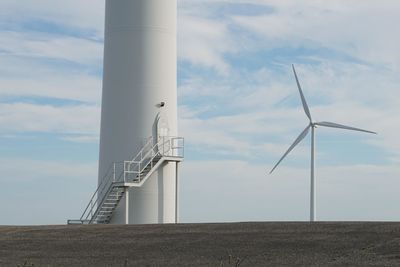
x,y
148,143
94,194
154,150
98,204
164,140
103,199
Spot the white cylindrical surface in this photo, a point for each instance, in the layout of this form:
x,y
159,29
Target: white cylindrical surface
x,y
139,74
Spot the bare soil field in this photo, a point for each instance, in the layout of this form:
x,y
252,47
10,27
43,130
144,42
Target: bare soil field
x,y
225,244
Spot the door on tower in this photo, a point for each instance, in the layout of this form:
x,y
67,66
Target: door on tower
x,y
163,140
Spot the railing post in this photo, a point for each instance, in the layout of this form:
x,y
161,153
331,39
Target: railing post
x,y
91,209
140,169
114,173
126,206
124,171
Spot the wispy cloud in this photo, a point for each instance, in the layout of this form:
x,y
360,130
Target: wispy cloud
x,y
344,193
25,170
52,47
88,14
195,35
22,117
362,30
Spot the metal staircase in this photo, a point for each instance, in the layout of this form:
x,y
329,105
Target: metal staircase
x,y
133,173
106,210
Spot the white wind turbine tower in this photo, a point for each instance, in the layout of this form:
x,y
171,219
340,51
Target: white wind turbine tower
x,y
312,125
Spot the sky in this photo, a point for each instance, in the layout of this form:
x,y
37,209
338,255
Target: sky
x,y
239,108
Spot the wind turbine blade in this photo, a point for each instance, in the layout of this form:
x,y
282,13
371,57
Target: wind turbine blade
x,y
340,126
303,99
296,142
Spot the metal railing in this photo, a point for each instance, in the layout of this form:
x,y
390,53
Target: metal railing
x,y
134,171
166,146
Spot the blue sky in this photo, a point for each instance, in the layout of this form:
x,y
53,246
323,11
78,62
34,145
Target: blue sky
x,y
239,108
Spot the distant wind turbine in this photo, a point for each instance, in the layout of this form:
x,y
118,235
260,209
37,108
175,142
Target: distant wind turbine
x,y
312,125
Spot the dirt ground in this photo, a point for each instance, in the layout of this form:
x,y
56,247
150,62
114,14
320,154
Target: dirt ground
x,y
233,244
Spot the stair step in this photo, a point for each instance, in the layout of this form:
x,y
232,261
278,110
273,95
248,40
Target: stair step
x,y
103,222
103,217
103,214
